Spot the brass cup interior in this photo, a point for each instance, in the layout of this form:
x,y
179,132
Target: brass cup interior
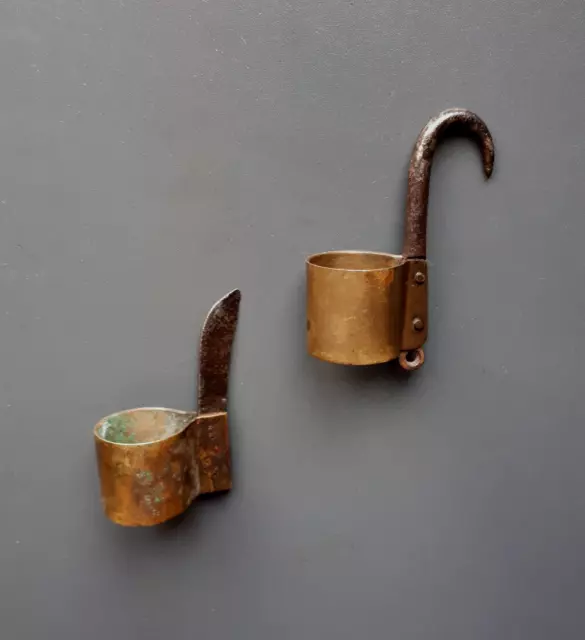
x,y
354,306
367,261
144,425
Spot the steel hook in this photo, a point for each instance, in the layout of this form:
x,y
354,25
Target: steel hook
x,y
419,171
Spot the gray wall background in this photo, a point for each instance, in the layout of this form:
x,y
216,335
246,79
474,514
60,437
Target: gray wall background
x,y
155,155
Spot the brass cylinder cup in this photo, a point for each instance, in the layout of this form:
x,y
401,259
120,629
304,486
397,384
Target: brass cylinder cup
x,y
354,306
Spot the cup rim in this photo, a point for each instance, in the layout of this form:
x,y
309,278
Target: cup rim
x,y
400,260
100,422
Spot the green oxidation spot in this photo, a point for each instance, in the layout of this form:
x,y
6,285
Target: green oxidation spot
x,y
153,498
157,496
117,430
145,477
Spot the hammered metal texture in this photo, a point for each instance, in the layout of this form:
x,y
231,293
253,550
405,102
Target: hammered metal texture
x,y
419,171
217,337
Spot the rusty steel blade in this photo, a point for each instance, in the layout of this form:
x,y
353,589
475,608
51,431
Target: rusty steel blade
x,y
217,337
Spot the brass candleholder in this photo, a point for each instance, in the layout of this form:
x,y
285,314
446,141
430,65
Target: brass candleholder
x,y
365,307
154,462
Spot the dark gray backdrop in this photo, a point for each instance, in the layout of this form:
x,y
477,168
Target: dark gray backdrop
x,y
155,155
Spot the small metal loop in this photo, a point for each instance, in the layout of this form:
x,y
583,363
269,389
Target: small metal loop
x,y
412,360
419,171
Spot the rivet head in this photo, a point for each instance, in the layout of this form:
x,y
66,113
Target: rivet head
x,y
418,324
419,277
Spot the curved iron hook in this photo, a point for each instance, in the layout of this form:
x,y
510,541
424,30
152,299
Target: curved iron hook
x,y
419,171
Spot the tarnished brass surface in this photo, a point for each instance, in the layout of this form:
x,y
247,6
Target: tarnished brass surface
x,y
354,306
147,465
153,462
366,308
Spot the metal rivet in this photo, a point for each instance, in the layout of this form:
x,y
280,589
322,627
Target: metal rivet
x,y
419,277
418,324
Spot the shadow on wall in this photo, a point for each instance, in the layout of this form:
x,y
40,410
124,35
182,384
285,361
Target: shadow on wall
x,y
333,391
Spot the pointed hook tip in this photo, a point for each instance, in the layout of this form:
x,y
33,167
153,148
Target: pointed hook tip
x,y
475,125
488,157
235,295
230,300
